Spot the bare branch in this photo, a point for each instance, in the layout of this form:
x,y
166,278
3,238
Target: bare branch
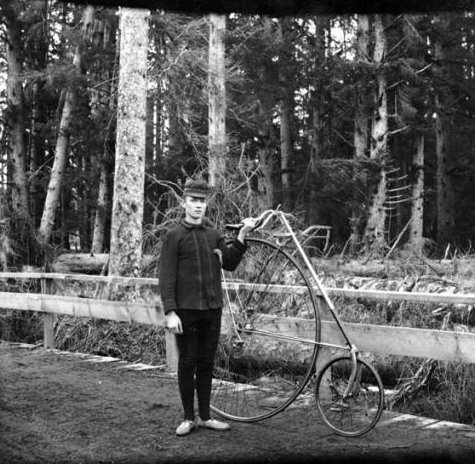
x,y
399,130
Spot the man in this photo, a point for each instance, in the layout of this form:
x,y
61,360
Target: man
x,y
190,288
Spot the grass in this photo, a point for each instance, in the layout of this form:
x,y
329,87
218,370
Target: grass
x,y
448,395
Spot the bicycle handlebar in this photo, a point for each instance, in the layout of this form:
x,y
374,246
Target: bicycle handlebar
x,y
261,220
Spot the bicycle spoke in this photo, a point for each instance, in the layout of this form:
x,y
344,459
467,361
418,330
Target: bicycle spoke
x,y
273,362
358,411
263,267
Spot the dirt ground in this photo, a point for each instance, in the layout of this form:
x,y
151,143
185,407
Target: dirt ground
x,y
57,407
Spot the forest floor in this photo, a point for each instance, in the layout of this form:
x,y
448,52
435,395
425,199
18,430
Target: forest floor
x,y
64,407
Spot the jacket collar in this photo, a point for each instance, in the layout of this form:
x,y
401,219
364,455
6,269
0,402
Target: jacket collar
x,y
190,226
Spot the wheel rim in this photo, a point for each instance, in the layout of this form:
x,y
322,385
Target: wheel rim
x,y
261,372
359,411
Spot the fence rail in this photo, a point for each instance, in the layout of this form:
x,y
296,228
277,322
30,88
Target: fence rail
x,y
384,295
404,341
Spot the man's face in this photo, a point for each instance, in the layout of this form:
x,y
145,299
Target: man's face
x,y
195,208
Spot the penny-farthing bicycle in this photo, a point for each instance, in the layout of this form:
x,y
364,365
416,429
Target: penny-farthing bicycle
x,y
270,339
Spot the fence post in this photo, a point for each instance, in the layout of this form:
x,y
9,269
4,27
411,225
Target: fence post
x,y
171,348
324,353
48,319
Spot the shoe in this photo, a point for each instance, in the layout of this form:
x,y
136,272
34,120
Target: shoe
x,y
185,427
212,424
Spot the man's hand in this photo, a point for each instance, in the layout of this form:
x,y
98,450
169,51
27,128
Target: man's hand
x,y
248,225
173,323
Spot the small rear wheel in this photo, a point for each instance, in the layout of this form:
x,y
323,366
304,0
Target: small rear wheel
x,y
349,410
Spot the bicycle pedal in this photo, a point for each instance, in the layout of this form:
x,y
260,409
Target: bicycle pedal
x,y
340,406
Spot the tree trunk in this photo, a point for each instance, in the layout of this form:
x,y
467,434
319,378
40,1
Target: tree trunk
x,y
316,147
101,211
63,206
176,140
316,150
217,100
443,123
84,166
37,154
375,230
416,241
286,112
60,157
153,130
286,109
445,200
108,106
379,133
128,197
286,152
59,164
37,54
360,137
374,234
266,162
16,111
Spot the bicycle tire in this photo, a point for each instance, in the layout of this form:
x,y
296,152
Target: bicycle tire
x,y
358,412
263,375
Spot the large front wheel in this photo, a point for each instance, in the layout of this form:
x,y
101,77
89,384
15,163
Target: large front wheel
x,y
267,349
349,406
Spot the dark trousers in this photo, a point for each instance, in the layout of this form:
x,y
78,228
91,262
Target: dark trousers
x,y
196,349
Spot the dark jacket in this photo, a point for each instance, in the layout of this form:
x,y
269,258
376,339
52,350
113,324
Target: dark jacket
x,y
190,266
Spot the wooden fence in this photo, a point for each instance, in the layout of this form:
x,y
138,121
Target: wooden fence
x,y
425,343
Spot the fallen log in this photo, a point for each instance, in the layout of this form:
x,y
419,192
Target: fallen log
x,y
88,263
459,269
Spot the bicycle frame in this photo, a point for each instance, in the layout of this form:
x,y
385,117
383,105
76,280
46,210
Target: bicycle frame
x,y
262,221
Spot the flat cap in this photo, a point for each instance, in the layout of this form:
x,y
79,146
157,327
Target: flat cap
x,y
196,188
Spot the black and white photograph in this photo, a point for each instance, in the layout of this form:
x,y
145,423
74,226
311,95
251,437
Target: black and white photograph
x,y
237,231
